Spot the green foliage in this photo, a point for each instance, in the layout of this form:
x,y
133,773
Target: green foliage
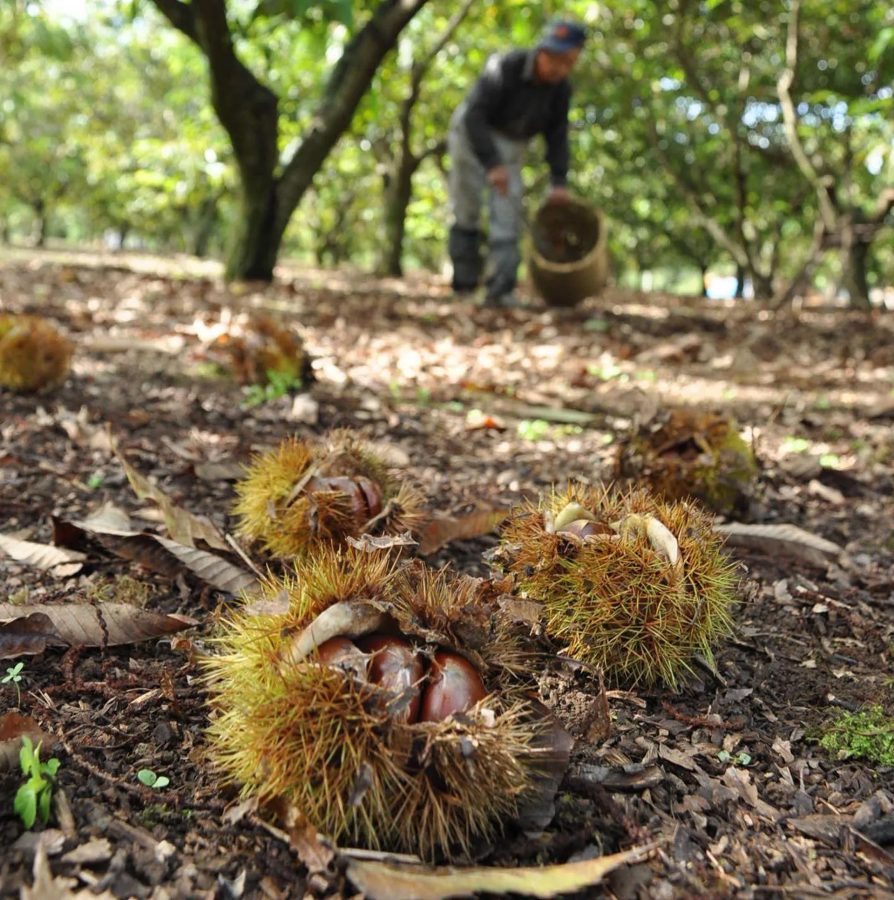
x,y
152,780
32,800
677,134
867,734
278,385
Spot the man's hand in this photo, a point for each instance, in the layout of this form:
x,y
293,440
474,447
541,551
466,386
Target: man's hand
x,y
558,193
498,178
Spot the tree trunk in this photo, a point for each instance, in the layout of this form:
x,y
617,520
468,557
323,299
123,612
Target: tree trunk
x,y
740,282
854,257
43,222
248,112
398,193
204,227
762,284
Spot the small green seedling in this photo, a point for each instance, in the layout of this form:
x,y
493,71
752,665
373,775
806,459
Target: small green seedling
x,y
740,759
14,676
32,800
151,780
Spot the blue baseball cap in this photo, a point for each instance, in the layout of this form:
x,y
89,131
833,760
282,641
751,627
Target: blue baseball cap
x,y
562,35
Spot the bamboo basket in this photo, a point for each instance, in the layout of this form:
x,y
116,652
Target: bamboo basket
x,y
568,258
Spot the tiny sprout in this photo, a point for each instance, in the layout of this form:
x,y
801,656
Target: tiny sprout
x,y
14,676
32,800
740,759
151,780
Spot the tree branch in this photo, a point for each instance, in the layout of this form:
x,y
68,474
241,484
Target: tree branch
x,y
790,119
180,15
349,82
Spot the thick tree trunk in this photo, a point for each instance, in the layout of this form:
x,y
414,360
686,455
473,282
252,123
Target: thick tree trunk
x,y
854,257
247,110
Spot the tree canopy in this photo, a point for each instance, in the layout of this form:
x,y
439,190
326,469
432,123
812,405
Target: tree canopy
x,y
754,139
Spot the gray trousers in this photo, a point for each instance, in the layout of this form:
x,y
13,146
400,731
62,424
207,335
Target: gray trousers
x,y
467,184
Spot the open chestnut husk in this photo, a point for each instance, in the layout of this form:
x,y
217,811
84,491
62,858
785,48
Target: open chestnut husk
x,y
435,747
628,582
305,494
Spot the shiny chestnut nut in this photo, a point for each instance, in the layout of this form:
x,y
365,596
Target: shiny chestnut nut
x,y
454,686
342,653
396,667
580,527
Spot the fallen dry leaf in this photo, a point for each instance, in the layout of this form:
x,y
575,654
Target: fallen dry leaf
x,y
106,624
442,529
13,727
382,881
112,528
785,538
58,560
27,635
183,526
211,568
46,887
371,542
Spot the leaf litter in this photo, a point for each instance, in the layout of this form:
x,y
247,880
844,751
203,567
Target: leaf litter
x,y
727,777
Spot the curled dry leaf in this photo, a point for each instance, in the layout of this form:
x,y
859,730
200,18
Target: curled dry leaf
x,y
58,560
381,542
183,526
27,635
107,624
383,881
442,529
782,538
13,727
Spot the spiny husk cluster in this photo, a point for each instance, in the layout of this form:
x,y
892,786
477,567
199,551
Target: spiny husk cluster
x,y
259,348
306,494
33,355
686,453
629,582
321,739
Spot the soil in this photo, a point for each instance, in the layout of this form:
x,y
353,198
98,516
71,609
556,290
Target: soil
x,y
481,407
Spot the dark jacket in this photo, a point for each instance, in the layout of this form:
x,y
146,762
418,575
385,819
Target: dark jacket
x,y
508,99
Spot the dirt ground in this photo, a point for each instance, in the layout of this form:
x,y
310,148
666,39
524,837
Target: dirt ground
x,y
479,407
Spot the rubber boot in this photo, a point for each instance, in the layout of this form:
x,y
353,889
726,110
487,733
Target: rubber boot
x,y
464,246
502,276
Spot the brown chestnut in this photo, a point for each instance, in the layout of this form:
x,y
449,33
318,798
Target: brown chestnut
x,y
372,493
344,654
454,686
397,667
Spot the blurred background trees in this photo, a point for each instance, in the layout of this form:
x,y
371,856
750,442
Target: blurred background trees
x,y
753,141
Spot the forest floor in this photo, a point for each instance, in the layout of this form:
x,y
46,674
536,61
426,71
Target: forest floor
x,y
479,406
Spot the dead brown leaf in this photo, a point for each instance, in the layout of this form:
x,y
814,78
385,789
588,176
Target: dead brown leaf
x,y
442,529
183,526
27,635
13,727
781,539
58,560
211,568
107,624
383,881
